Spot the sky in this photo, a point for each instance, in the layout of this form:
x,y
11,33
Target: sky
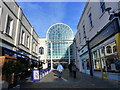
x,y
42,15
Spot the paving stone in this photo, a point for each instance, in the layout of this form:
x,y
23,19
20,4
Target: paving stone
x,y
82,81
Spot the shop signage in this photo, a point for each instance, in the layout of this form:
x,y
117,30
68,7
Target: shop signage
x,y
82,51
35,75
109,30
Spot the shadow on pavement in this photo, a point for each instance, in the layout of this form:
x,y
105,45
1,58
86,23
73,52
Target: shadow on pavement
x,y
82,81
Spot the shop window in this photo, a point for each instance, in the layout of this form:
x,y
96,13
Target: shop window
x,y
108,49
114,49
95,54
88,64
97,64
113,64
102,50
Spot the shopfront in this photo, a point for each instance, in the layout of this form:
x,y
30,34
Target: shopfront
x,y
105,57
84,60
104,52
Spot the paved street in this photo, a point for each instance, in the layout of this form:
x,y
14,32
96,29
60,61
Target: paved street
x,y
82,81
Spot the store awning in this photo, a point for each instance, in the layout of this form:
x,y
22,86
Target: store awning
x,y
15,54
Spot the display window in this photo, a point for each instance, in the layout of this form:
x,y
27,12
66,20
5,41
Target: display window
x,y
88,64
85,61
96,60
106,58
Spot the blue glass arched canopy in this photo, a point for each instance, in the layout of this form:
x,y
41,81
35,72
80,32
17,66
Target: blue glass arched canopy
x,y
61,37
59,31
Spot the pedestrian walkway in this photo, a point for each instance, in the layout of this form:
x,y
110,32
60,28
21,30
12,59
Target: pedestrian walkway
x,y
82,81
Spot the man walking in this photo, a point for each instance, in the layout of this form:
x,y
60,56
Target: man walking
x,y
74,69
70,69
60,70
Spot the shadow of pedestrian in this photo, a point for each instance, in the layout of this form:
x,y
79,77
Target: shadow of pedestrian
x,y
55,75
65,74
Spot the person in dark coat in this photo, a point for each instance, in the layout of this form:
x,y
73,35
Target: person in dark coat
x,y
74,69
70,69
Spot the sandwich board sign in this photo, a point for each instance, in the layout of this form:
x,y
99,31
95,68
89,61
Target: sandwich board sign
x,y
35,75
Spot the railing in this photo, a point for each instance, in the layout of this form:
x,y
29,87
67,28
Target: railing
x,y
44,72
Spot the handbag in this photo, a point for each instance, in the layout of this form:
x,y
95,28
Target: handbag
x,y
61,70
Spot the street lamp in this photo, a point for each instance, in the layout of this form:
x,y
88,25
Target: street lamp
x,y
39,61
108,10
113,14
90,57
89,51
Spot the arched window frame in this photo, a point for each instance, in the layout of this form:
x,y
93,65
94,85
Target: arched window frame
x,y
41,50
108,49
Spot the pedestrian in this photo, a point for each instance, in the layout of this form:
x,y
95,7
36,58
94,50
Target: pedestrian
x,y
60,70
70,69
74,70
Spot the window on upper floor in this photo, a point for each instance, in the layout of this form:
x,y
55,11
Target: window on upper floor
x,y
0,11
9,26
90,20
36,48
80,37
0,17
102,6
41,50
23,37
33,47
84,33
28,41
